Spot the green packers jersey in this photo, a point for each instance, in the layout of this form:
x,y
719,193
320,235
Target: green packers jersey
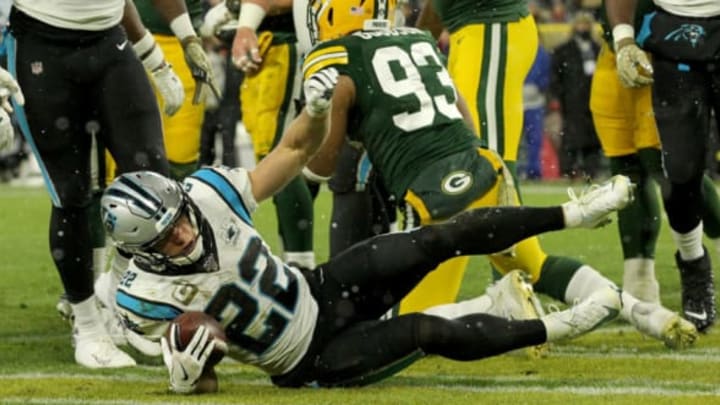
x,y
458,13
404,113
643,7
154,22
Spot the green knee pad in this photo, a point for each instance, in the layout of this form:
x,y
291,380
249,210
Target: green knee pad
x,y
555,275
639,222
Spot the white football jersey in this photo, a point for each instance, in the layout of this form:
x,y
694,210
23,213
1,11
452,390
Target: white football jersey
x,y
691,8
265,306
95,15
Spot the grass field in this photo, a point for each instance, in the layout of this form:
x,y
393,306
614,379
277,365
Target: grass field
x,y
612,365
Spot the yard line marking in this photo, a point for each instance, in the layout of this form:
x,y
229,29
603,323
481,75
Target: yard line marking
x,y
79,401
584,390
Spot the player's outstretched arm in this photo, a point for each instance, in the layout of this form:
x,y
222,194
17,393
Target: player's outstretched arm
x,y
322,165
300,141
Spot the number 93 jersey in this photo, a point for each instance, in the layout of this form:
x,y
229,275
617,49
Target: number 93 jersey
x,y
265,306
405,111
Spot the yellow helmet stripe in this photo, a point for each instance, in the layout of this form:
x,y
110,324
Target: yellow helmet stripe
x,y
315,61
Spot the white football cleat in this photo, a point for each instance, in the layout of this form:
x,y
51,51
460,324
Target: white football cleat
x,y
95,349
591,208
601,306
660,323
513,298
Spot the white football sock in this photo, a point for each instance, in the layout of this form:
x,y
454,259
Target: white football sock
x,y
639,279
304,259
689,244
584,282
100,260
629,302
87,316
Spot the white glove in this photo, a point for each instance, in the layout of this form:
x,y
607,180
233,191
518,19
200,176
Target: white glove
x,y
633,66
217,19
319,88
170,87
8,88
186,366
166,82
7,132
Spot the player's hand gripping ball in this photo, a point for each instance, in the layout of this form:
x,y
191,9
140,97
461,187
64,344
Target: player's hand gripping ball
x,y
193,344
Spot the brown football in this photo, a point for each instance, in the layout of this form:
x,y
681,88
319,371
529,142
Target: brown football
x,y
188,322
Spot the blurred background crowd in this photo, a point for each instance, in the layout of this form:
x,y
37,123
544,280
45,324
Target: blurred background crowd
x,y
559,140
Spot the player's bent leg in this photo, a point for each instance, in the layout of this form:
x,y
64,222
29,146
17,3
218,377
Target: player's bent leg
x,y
659,322
390,266
599,307
639,226
650,319
382,345
427,293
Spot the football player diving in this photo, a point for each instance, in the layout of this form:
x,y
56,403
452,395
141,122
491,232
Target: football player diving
x,y
194,247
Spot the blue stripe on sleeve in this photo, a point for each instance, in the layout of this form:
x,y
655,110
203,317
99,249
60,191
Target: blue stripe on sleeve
x,y
226,191
147,309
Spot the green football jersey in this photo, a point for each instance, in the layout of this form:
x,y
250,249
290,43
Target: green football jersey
x,y
405,113
154,22
458,13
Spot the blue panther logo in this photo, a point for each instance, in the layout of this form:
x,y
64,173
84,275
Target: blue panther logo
x,y
692,33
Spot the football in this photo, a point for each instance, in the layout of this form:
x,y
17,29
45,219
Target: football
x,y
188,322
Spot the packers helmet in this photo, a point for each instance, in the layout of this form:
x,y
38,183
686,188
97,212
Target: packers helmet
x,y
330,19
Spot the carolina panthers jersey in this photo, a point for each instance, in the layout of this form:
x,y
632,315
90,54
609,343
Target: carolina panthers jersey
x,y
266,307
74,14
457,13
404,113
642,7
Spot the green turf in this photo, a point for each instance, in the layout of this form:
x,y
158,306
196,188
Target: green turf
x,y
612,365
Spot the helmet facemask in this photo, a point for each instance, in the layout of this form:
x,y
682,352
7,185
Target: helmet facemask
x,y
141,209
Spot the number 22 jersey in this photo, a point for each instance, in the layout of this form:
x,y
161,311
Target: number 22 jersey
x,y
265,306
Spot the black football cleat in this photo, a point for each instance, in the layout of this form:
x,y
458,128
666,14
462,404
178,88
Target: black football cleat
x,y
698,290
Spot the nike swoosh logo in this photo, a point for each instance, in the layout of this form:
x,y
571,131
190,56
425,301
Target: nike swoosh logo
x,y
185,374
101,361
700,316
121,46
